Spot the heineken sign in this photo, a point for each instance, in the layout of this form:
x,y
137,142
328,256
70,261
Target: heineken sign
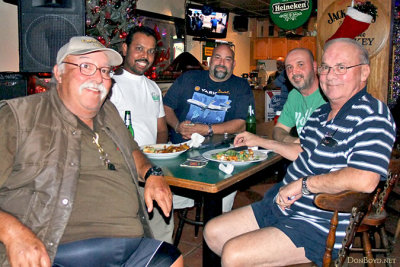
x,y
289,14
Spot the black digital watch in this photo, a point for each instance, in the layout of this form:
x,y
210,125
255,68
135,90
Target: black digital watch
x,y
155,170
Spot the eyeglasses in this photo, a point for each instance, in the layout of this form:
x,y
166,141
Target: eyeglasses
x,y
339,69
90,69
103,154
328,140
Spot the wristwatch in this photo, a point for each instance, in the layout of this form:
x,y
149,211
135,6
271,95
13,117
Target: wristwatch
x,y
155,170
210,130
304,188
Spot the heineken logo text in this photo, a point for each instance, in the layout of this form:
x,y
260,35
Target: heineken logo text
x,y
291,6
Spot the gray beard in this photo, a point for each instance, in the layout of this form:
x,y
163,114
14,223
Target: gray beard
x,y
220,74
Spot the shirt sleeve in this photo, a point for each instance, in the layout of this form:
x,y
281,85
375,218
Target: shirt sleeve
x,y
243,99
8,141
287,114
115,98
171,98
372,145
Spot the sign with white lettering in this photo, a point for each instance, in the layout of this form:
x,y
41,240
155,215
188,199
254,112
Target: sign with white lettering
x,y
373,39
289,14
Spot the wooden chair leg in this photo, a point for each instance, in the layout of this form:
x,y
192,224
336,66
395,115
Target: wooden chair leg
x,y
182,214
385,244
397,233
330,241
368,249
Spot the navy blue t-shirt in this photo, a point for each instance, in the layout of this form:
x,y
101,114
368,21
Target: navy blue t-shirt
x,y
197,98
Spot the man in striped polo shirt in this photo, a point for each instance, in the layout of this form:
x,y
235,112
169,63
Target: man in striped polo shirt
x,y
345,145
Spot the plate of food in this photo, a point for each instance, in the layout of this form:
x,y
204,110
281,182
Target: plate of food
x,y
227,155
164,151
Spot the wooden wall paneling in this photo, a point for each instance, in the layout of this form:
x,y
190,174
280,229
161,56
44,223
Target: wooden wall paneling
x,y
378,82
261,48
292,43
277,47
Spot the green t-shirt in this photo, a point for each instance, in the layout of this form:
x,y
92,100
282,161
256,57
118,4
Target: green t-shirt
x,y
298,108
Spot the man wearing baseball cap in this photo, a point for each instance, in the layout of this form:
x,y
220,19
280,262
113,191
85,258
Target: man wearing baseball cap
x,y
69,173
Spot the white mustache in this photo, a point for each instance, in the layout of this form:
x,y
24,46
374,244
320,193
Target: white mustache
x,y
92,85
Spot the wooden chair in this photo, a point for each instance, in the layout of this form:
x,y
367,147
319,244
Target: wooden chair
x,y
352,202
367,212
374,222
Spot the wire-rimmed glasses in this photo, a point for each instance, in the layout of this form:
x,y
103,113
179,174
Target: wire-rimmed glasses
x,y
339,69
90,69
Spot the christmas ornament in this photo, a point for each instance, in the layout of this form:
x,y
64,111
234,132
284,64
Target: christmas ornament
x,y
111,20
356,21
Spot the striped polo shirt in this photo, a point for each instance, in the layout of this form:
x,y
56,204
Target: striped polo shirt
x,y
361,136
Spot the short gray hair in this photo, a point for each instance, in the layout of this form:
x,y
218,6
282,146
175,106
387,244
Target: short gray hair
x,y
362,52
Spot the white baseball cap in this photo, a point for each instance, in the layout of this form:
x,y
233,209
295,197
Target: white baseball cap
x,y
80,45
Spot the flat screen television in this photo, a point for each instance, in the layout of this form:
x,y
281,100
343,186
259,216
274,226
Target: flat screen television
x,y
206,21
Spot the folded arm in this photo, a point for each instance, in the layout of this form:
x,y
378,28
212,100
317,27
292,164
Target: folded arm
x,y
187,128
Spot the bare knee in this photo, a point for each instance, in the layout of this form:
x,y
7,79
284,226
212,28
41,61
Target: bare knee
x,y
178,262
211,235
231,254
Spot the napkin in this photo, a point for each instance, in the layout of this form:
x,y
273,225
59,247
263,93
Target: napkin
x,y
196,140
228,169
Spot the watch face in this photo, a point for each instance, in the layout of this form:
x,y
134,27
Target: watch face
x,y
156,171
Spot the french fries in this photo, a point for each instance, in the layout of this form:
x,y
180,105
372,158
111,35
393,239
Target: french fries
x,y
166,149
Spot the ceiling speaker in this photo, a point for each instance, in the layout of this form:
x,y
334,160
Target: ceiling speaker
x,y
240,23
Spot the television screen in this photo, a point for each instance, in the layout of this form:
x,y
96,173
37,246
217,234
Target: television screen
x,y
206,22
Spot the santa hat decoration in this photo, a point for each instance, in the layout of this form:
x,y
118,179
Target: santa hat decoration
x,y
356,21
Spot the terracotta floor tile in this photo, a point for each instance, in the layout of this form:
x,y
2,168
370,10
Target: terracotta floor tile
x,y
191,247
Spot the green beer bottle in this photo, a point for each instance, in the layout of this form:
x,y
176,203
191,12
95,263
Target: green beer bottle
x,y
128,122
251,120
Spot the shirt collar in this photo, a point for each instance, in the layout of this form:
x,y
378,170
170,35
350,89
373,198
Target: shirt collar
x,y
325,109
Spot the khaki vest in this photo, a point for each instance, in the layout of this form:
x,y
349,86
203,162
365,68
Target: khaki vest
x,y
41,188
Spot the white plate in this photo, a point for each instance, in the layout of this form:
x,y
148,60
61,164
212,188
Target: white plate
x,y
208,155
162,155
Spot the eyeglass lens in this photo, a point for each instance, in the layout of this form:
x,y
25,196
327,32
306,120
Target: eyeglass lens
x,y
90,69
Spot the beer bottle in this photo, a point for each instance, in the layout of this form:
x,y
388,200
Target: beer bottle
x,y
251,120
128,122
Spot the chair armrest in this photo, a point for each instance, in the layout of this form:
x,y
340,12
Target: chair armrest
x,y
344,201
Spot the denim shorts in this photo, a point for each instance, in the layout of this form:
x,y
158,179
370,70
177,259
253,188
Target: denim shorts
x,y
268,214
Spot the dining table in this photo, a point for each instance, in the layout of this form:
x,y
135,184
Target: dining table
x,y
209,181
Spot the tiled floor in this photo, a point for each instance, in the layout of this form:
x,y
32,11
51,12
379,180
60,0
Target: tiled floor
x,y
191,246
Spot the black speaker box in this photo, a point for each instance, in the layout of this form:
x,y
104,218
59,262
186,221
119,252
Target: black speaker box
x,y
45,26
271,30
240,23
12,85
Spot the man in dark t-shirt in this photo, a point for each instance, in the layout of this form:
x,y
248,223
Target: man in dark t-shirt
x,y
208,102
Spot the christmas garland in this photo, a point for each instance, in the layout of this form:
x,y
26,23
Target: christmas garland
x,y
366,7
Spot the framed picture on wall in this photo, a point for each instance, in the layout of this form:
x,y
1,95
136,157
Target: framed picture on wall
x,y
170,39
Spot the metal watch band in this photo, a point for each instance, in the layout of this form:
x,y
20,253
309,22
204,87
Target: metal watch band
x,y
210,130
304,188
